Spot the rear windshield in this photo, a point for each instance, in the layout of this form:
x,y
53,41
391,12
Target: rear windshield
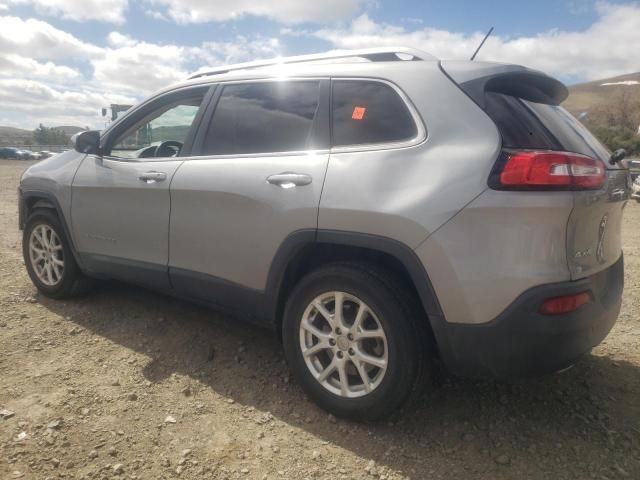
x,y
530,125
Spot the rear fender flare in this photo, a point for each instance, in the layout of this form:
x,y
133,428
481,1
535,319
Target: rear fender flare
x,y
401,252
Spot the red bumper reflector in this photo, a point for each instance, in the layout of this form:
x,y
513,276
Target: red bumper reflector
x,y
565,304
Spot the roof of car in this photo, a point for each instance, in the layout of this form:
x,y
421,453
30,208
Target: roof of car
x,y
381,54
362,62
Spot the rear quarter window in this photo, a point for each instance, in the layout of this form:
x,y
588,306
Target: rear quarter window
x,y
538,126
518,125
569,131
369,112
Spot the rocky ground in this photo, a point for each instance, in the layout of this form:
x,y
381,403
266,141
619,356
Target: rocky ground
x,y
127,384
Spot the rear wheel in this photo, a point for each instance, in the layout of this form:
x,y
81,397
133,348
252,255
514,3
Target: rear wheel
x,y
351,341
48,257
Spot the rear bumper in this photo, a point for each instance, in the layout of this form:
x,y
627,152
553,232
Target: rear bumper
x,y
522,342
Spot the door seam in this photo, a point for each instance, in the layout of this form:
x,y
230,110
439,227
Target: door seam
x,y
169,223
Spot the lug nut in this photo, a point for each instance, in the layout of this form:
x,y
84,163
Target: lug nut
x,y
351,352
350,337
332,342
340,355
338,331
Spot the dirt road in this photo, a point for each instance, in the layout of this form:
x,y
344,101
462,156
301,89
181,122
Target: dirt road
x,y
124,383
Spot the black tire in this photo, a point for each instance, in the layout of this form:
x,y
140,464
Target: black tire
x,y
399,315
73,282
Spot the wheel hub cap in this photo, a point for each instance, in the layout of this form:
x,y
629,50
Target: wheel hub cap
x,y
343,344
46,255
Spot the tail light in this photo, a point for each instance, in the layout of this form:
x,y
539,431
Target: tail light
x,y
565,304
546,170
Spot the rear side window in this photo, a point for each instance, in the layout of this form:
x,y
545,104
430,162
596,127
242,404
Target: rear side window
x,y
369,112
263,118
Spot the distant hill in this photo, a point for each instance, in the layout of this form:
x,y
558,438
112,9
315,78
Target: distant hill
x,y
11,136
14,136
585,97
178,132
610,108
13,131
69,129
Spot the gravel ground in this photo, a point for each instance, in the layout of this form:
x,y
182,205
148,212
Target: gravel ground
x,y
124,383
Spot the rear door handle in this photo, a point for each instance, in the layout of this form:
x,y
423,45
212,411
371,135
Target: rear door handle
x,y
153,177
289,179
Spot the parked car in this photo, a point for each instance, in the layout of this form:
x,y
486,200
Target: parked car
x,y
13,153
635,189
634,168
377,215
29,155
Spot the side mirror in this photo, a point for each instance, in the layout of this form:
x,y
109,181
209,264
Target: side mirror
x,y
87,142
617,156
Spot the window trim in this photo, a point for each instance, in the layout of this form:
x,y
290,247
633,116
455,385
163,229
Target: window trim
x,y
321,123
147,107
421,131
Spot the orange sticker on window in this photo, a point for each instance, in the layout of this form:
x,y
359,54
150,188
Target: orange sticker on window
x,y
358,113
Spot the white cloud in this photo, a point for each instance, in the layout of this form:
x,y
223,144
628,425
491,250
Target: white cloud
x,y
39,40
140,67
608,47
34,102
242,49
13,66
284,11
47,73
117,39
111,11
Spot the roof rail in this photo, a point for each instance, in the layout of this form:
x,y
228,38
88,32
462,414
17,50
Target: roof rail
x,y
381,54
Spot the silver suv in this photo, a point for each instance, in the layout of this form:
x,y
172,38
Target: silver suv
x,y
377,208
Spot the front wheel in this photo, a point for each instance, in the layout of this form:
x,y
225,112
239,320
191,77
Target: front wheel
x,y
351,340
48,257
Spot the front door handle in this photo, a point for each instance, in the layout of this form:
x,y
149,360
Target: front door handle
x,y
289,179
153,177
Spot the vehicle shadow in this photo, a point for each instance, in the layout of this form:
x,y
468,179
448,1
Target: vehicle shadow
x,y
583,422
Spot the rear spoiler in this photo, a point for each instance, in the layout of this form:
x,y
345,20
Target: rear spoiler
x,y
478,78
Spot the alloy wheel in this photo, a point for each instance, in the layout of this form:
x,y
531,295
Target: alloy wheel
x,y
46,255
343,344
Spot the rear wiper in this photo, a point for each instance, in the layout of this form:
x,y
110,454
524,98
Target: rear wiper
x,y
617,156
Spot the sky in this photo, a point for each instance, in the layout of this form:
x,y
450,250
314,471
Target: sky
x,y
61,61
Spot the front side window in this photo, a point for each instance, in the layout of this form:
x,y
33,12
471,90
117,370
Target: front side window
x,y
263,117
162,132
366,111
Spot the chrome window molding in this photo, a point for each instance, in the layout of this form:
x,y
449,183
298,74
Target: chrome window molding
x,y
420,137
257,155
